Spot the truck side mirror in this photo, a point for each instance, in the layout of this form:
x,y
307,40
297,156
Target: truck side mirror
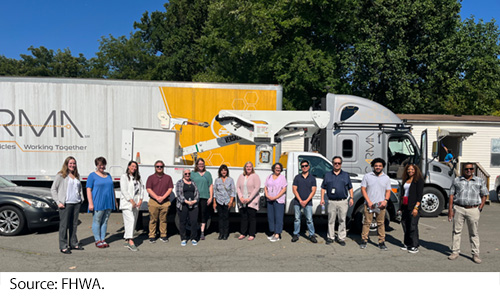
x,y
435,149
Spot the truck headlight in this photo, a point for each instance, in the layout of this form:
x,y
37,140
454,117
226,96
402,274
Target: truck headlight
x,y
36,203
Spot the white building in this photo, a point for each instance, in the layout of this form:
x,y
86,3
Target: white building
x,y
472,138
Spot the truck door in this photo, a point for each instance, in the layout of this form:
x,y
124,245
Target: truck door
x,y
423,153
400,152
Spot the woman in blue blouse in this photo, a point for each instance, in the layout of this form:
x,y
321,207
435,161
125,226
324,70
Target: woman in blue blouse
x,y
101,196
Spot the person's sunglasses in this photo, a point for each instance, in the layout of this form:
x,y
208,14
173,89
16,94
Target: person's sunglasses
x,y
468,169
187,174
159,166
305,166
335,163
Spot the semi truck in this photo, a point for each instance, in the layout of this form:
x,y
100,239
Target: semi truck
x,y
44,120
360,130
264,130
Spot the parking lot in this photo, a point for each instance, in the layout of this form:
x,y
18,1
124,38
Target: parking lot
x,y
38,251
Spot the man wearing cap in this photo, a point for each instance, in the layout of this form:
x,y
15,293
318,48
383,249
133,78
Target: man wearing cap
x,y
468,194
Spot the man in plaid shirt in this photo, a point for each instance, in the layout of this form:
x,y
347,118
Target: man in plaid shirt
x,y
467,197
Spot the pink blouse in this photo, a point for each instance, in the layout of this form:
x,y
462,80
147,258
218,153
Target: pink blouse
x,y
274,187
253,188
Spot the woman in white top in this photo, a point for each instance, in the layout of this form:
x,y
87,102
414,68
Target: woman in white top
x,y
67,192
130,201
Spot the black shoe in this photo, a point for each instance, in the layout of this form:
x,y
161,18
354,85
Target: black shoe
x,y
152,240
295,238
362,245
225,237
313,239
341,242
382,246
329,241
66,251
78,248
220,236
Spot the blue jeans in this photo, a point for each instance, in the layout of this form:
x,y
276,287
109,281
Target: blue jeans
x,y
275,212
100,224
309,220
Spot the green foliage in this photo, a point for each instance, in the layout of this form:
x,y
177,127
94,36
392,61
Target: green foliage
x,y
413,56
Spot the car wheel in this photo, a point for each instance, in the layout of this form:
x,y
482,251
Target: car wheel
x,y
12,221
432,202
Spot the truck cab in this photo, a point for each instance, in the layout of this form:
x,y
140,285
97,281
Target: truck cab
x,y
361,130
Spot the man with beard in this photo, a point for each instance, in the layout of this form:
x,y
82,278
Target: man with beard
x,y
376,189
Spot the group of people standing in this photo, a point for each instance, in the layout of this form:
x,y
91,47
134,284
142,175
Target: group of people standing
x,y
197,193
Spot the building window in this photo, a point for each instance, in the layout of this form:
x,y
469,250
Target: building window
x,y
495,152
347,149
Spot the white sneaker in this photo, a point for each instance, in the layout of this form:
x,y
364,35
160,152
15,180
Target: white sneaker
x,y
274,239
183,243
270,237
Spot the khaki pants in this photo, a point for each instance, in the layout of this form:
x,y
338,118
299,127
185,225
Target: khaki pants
x,y
337,209
471,217
158,215
380,218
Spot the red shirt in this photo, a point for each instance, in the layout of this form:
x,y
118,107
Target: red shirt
x,y
159,184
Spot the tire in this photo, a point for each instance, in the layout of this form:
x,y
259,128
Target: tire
x,y
359,219
12,221
432,202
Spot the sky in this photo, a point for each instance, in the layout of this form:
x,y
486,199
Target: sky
x,y
79,25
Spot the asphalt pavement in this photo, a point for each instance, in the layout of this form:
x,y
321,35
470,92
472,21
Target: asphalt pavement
x,y
38,251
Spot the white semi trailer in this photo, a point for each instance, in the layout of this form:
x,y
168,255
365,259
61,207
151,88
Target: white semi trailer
x,y
44,120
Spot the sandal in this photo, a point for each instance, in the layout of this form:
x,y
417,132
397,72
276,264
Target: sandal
x,y
105,244
251,238
99,244
242,237
65,251
79,248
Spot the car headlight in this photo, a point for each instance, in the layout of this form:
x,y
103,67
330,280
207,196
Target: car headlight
x,y
36,203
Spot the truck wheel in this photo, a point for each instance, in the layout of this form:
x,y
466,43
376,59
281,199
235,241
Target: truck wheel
x,y
432,202
12,221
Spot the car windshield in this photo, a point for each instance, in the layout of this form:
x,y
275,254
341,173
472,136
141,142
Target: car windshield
x,y
6,183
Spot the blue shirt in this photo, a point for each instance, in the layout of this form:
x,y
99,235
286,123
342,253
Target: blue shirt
x,y
103,192
341,183
304,187
448,157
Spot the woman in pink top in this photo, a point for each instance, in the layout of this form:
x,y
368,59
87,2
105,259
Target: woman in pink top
x,y
274,189
248,187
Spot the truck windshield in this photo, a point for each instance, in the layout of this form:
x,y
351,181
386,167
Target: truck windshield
x,y
401,151
319,165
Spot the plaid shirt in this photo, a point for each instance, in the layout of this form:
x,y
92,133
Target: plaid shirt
x,y
468,192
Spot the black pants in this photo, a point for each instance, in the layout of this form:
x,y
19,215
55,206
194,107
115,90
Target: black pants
x,y
68,223
192,214
204,210
248,221
223,213
410,227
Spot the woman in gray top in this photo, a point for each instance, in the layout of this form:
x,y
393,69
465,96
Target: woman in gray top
x,y
224,193
67,192
187,196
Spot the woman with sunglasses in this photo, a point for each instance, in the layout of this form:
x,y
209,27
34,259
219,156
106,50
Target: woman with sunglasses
x,y
224,193
187,195
274,189
413,188
203,180
248,187
130,201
